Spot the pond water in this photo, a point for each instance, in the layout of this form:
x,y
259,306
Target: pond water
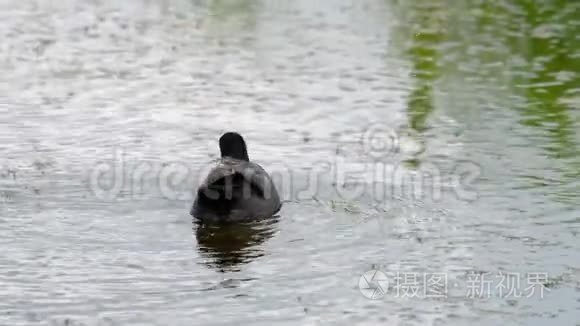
x,y
432,142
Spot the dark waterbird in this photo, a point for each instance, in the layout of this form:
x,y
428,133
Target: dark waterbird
x,y
236,189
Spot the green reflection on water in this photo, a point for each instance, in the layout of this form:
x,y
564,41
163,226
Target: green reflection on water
x,y
425,32
522,55
228,17
543,46
550,42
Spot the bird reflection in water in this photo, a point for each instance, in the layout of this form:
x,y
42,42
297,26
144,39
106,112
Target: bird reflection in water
x,y
226,247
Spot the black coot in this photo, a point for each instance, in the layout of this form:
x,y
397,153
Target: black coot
x,y
236,189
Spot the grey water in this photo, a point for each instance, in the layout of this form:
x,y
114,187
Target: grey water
x,y
427,153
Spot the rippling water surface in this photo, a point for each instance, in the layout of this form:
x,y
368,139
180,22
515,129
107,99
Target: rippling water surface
x,y
417,138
